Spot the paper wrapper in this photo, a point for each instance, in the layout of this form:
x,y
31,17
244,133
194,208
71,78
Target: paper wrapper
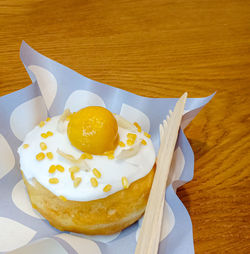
x,y
54,88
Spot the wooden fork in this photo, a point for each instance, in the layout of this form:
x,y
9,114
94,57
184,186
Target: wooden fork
x,y
149,237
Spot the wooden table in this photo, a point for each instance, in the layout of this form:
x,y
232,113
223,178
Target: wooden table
x,y
160,49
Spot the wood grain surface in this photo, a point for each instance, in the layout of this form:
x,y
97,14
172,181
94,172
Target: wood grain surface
x,y
160,49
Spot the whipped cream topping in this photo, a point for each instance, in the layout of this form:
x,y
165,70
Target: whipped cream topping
x,y
112,171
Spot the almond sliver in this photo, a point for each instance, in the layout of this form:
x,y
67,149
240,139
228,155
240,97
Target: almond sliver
x,y
129,151
82,164
62,123
125,124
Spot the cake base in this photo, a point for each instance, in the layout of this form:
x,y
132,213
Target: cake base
x,y
97,217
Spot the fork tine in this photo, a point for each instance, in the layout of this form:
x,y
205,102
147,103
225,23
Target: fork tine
x,y
165,124
168,118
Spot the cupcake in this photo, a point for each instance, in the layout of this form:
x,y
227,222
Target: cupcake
x,y
89,171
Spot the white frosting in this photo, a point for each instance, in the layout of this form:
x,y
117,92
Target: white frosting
x,y
111,171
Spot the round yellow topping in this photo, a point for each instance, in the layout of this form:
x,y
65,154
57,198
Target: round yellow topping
x,y
52,169
42,123
48,119
63,198
121,144
94,182
107,188
43,146
143,142
77,181
93,130
125,182
97,173
40,156
50,155
25,146
53,180
60,168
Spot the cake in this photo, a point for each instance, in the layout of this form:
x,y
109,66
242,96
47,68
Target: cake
x,y
89,171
